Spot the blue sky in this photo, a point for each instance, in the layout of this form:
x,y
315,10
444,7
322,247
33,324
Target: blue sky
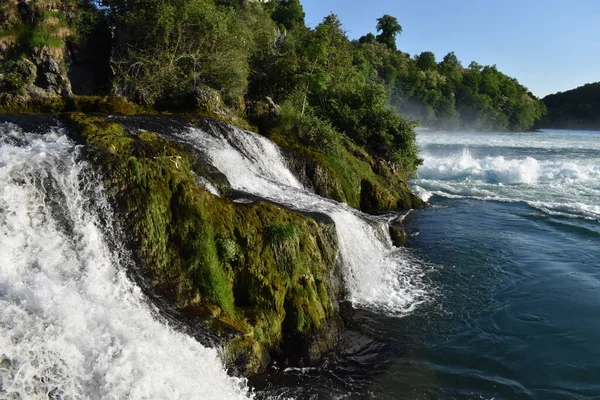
x,y
548,45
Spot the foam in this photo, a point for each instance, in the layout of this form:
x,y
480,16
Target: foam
x,y
488,169
376,275
563,182
72,325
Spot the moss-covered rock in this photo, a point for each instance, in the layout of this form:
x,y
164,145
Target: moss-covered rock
x,y
352,176
398,235
15,103
265,271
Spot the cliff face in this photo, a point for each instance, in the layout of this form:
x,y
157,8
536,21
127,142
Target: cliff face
x,y
264,278
44,57
33,53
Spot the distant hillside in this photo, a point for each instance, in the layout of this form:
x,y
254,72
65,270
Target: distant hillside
x,y
574,109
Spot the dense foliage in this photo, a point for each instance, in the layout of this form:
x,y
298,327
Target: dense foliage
x,y
445,94
248,51
574,109
251,56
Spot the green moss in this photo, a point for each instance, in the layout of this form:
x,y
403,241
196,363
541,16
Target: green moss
x,y
356,178
88,104
104,104
252,261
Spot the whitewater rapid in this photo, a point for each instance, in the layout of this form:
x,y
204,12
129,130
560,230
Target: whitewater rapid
x,y
376,274
555,172
72,325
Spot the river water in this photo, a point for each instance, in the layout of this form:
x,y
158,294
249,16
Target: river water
x,y
510,247
495,296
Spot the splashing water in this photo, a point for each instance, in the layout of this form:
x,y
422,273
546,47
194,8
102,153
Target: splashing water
x,y
487,169
376,274
72,325
555,172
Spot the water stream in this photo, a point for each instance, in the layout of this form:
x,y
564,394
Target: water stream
x,y
72,325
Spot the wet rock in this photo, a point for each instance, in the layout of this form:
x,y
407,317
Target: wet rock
x,y
347,313
51,71
273,109
398,236
313,176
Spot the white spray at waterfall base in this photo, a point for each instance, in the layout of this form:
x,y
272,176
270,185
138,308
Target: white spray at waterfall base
x,y
555,172
488,169
376,274
72,325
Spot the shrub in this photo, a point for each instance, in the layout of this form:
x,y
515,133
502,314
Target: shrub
x,y
309,130
18,75
165,49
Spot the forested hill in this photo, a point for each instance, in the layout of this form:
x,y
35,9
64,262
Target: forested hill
x,y
446,94
169,54
574,109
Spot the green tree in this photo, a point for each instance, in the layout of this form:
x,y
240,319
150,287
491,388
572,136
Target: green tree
x,y
368,38
389,28
289,13
426,60
168,48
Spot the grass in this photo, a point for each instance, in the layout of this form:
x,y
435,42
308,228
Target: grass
x,y
13,31
41,36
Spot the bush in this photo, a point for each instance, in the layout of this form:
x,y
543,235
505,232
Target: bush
x,y
309,130
18,75
168,48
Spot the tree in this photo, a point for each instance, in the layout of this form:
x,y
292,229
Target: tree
x,y
451,59
368,38
164,49
289,13
389,28
426,60
326,46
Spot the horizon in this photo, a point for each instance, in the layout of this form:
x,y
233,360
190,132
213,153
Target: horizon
x,y
546,45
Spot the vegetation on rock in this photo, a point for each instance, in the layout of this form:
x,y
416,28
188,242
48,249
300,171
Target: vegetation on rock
x,y
265,271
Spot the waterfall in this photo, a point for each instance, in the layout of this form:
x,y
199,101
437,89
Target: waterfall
x,y
72,325
376,274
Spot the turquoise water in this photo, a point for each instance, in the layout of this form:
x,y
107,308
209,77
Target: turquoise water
x,y
514,226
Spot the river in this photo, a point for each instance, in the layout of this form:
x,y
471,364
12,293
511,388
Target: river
x,y
510,248
494,297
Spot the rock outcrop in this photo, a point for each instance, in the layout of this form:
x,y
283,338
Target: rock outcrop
x,y
263,278
356,178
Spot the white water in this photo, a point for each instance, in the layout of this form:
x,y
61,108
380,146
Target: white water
x,y
71,323
556,172
376,274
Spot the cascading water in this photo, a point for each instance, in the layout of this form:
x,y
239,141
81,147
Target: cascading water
x,y
72,325
376,274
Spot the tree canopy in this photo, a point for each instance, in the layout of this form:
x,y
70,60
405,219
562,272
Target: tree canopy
x,y
574,109
388,27
445,94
